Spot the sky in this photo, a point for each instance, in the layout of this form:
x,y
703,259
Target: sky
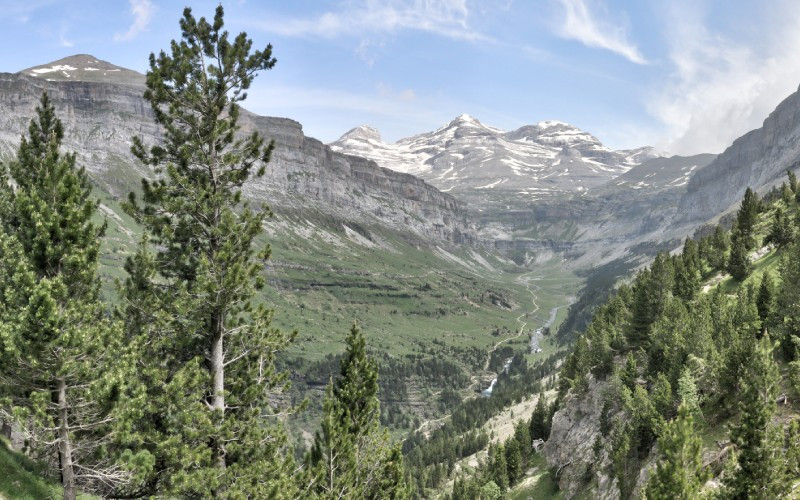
x,y
685,76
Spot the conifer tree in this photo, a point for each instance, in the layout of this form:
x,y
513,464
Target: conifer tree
x,y
513,461
539,426
720,243
782,230
498,469
630,372
208,358
787,195
746,218
352,456
679,473
522,434
739,264
792,180
765,302
687,394
787,304
760,462
60,355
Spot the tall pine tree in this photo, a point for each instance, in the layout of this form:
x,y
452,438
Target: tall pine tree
x,y
739,264
60,355
746,218
208,360
760,464
679,473
352,456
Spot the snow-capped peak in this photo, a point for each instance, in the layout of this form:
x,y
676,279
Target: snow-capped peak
x,y
85,67
363,132
546,124
468,156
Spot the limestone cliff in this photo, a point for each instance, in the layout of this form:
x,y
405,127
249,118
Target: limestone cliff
x,y
100,117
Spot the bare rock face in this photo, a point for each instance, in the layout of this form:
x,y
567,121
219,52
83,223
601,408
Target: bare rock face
x,y
102,107
758,159
575,428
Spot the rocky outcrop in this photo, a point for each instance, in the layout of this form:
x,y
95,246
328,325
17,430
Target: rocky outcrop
x,y
570,448
305,176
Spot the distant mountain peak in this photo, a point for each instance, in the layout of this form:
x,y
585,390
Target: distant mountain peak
x,y
546,124
87,68
464,117
363,132
466,156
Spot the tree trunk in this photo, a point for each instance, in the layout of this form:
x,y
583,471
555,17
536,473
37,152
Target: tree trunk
x,y
218,378
64,443
6,430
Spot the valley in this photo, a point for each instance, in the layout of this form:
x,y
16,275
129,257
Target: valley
x,y
475,262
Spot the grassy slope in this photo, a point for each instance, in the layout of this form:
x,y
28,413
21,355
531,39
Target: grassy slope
x,y
21,478
410,298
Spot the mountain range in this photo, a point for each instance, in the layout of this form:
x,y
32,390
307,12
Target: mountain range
x,y
466,157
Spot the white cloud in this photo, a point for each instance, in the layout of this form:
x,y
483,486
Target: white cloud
x,y
65,42
326,113
447,18
142,11
388,92
723,86
592,30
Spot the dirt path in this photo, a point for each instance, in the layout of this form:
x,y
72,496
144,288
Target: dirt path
x,y
525,279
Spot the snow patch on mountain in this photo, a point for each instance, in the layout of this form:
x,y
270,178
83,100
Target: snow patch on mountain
x,y
466,155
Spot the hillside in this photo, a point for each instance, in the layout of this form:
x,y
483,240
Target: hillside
x,y
350,240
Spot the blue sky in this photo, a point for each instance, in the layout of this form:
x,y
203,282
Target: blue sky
x,y
685,76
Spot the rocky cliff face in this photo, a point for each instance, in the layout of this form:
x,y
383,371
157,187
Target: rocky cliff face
x,y
101,116
758,159
575,428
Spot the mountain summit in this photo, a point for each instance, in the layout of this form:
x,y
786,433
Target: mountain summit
x,y
85,68
466,156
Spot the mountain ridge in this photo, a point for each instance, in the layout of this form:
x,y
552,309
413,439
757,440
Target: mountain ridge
x,y
465,155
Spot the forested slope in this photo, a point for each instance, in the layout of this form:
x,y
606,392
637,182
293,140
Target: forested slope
x,y
716,329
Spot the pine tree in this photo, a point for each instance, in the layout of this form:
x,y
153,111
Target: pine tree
x,y
720,245
208,361
490,491
687,395
352,456
60,356
739,264
679,473
661,395
781,232
651,292
792,180
788,304
760,462
793,450
746,218
513,461
630,372
522,434
765,302
498,470
539,426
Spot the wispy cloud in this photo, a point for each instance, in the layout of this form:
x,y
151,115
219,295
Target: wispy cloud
x,y
327,113
64,41
387,92
593,30
142,12
447,18
721,87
